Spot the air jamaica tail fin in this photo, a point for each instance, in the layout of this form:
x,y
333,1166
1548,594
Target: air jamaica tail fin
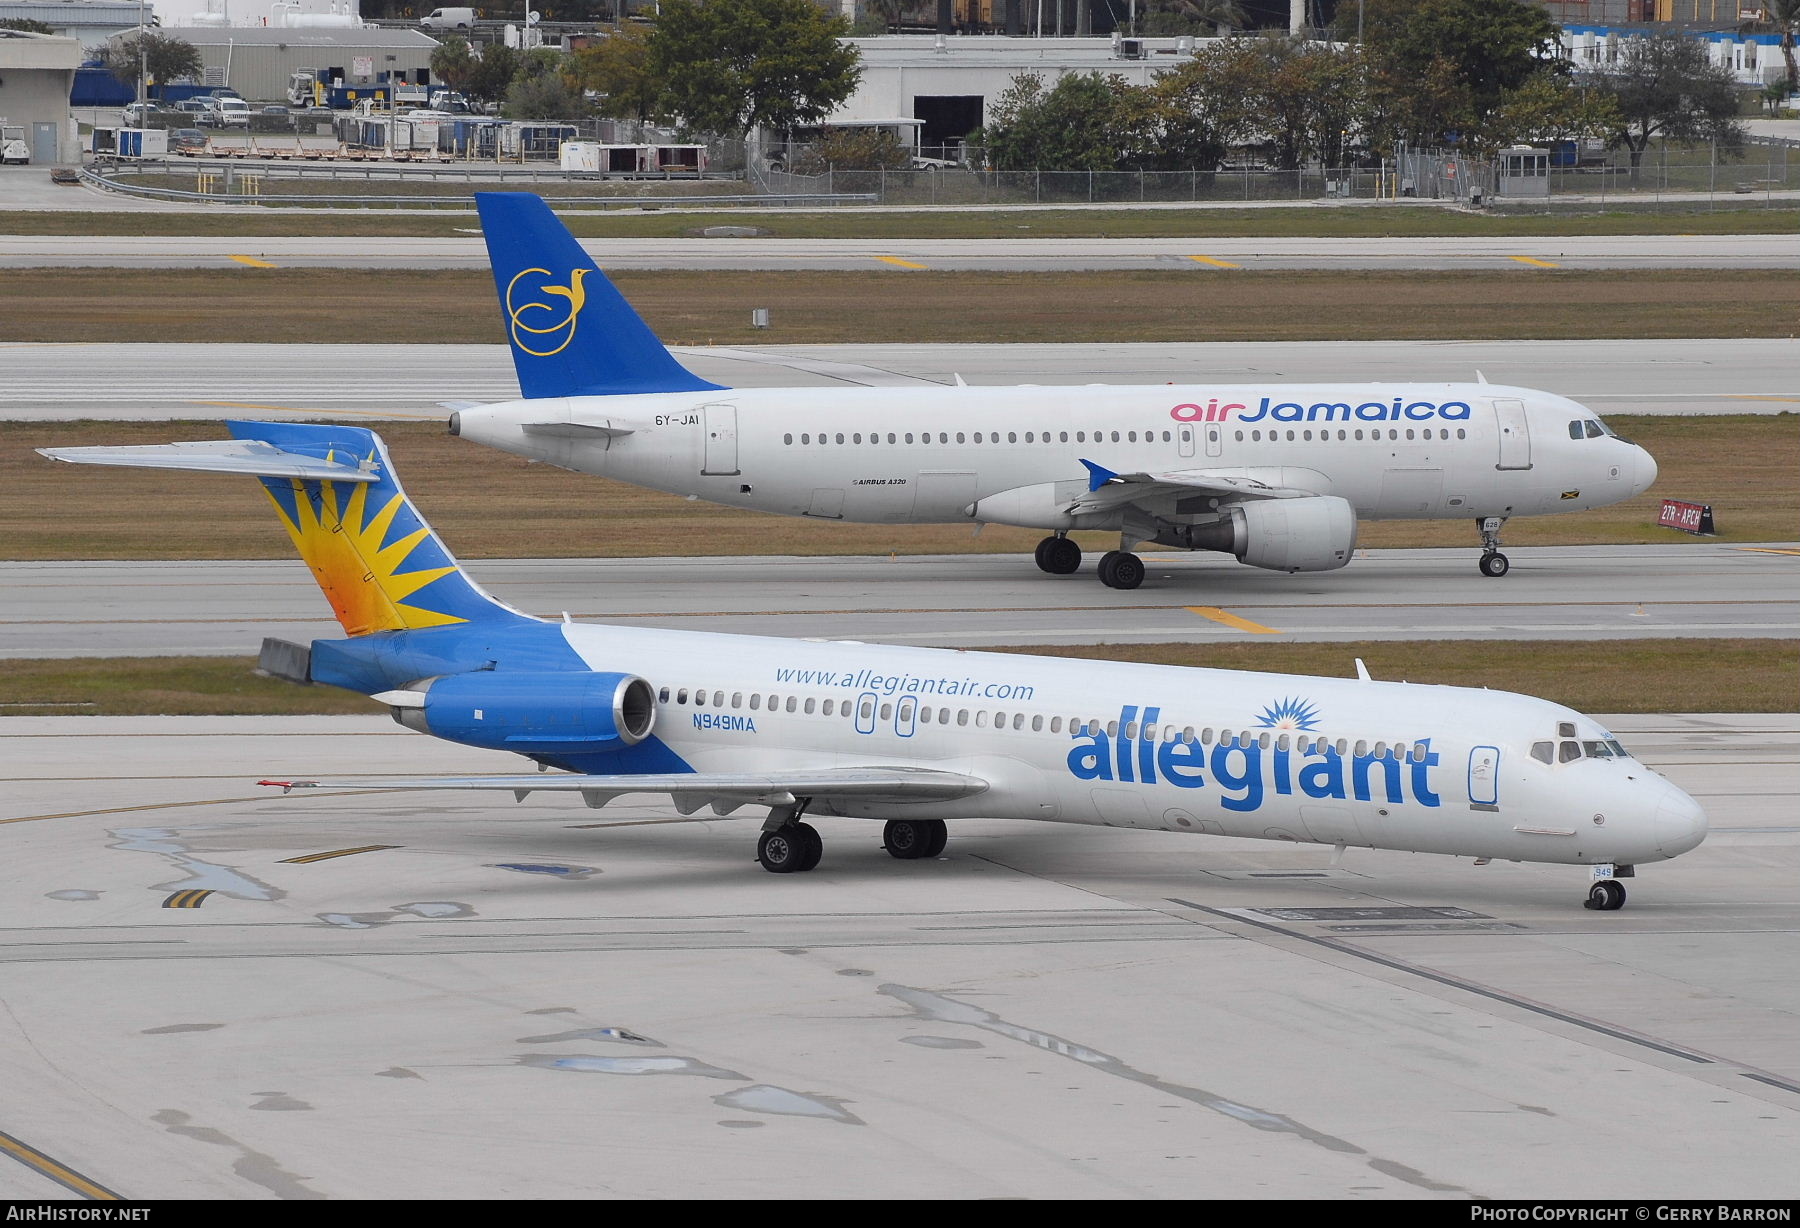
x,y
380,565
572,333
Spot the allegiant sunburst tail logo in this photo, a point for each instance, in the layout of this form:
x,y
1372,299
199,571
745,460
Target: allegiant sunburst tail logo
x,y
358,539
541,315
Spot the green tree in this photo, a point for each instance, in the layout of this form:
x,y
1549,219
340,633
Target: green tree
x,y
546,95
1668,87
494,73
26,25
1192,116
728,66
618,69
1079,124
453,64
1438,68
1205,18
165,58
1784,15
1548,107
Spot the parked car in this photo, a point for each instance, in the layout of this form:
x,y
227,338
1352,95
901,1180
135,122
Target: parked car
x,y
276,110
194,106
135,113
225,113
188,141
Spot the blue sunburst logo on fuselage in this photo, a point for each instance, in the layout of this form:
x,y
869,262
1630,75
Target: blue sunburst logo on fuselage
x,y
1292,713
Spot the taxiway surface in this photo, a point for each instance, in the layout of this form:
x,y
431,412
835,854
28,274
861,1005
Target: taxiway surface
x,y
1706,589
364,382
1204,256
215,991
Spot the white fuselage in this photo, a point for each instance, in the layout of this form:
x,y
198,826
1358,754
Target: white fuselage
x,y
906,455
1336,761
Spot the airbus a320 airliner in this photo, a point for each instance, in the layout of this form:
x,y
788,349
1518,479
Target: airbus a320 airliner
x,y
917,736
1276,475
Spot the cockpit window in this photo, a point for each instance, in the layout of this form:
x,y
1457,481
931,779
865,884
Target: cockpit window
x,y
1594,429
1568,752
1575,431
1596,750
1617,750
1544,752
1565,729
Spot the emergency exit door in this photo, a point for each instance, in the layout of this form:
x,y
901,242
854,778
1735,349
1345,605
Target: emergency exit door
x,y
720,424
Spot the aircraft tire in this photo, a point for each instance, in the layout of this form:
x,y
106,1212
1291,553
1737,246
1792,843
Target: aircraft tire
x,y
787,849
1494,564
1059,556
940,836
815,846
1607,895
913,839
1121,569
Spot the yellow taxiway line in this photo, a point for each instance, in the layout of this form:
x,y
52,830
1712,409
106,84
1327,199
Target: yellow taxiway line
x,y
62,1174
901,264
1532,260
254,263
1230,620
1214,261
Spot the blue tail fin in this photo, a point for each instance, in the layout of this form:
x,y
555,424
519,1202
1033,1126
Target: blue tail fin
x,y
572,332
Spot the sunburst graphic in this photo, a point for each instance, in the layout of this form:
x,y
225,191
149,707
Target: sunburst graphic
x,y
1291,713
345,544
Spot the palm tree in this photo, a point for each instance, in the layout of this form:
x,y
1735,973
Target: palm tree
x,y
1784,15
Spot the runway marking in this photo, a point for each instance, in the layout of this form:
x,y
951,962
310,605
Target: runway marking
x,y
324,413
84,814
1532,260
1215,262
187,899
1765,550
62,1174
901,264
254,263
1746,396
311,857
1230,620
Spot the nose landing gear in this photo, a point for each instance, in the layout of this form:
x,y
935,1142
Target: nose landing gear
x,y
1493,563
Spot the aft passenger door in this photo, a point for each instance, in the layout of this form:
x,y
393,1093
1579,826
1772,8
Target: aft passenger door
x,y
720,424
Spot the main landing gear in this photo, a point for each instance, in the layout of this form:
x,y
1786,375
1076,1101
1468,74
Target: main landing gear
x,y
1493,563
1118,568
1058,555
788,846
914,839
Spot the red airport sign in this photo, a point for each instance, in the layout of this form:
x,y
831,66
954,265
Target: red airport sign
x,y
1688,517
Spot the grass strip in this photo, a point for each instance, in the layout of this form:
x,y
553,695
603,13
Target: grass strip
x,y
488,504
1191,304
1661,675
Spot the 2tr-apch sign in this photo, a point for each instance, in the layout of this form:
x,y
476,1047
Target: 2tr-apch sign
x,y
1688,517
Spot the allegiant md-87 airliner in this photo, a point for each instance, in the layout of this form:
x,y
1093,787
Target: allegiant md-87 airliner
x,y
1276,475
917,736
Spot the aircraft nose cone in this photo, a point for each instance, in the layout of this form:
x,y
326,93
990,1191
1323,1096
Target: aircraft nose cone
x,y
1680,824
1645,475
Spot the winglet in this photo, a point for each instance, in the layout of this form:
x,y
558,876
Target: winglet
x,y
1362,671
1098,475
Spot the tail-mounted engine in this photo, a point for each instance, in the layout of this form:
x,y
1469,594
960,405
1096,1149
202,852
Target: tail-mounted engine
x,y
532,713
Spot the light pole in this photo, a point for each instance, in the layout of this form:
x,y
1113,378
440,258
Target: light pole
x,y
142,60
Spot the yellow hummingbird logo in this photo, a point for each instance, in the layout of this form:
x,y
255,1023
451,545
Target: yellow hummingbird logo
x,y
529,331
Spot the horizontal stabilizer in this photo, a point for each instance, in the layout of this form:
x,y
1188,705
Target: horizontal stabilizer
x,y
249,457
886,784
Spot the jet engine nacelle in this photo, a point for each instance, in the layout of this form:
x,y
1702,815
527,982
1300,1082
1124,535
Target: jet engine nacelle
x,y
532,713
1312,534
1315,533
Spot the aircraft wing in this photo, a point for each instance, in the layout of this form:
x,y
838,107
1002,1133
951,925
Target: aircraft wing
x,y
724,791
1108,490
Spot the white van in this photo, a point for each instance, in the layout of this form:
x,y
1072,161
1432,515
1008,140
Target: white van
x,y
449,19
